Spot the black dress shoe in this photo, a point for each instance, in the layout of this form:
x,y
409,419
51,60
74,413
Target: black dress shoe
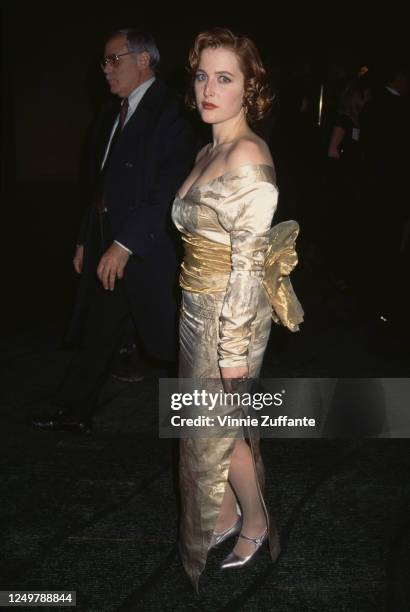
x,y
129,366
62,422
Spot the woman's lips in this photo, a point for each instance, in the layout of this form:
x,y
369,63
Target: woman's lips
x,y
208,105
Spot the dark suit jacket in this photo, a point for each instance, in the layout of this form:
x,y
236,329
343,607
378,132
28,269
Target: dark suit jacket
x,y
153,155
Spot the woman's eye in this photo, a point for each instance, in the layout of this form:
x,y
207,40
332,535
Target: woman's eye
x,y
200,77
224,79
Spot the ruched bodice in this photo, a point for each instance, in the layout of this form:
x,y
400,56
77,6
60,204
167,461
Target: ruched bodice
x,y
213,209
234,210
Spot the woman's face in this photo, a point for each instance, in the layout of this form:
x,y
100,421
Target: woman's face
x,y
219,85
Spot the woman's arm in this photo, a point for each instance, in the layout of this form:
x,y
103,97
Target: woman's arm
x,y
336,139
253,208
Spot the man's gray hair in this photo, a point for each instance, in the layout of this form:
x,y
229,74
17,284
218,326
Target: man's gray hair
x,y
138,42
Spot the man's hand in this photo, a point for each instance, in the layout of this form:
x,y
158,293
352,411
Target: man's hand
x,y
78,258
112,265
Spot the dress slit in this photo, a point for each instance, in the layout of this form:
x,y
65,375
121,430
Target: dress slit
x,y
225,225
205,462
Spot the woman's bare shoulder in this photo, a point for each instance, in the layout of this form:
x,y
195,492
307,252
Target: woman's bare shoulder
x,y
248,150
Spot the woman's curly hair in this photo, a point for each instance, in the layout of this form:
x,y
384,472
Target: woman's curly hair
x,y
257,97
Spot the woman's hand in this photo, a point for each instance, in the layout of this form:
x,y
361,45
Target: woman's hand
x,y
231,376
236,372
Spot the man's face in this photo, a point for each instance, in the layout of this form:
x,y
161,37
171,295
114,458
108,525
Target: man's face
x,y
131,70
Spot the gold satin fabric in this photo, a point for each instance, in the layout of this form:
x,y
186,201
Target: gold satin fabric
x,y
207,263
234,270
204,462
281,258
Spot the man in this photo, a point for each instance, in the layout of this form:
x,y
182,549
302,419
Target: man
x,y
125,253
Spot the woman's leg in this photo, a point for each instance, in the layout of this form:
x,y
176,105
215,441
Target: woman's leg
x,y
242,487
242,479
228,514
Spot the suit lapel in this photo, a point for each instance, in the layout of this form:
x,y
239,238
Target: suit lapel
x,y
139,119
105,131
145,109
137,133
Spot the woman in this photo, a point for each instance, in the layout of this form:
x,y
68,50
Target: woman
x,y
344,140
224,211
345,175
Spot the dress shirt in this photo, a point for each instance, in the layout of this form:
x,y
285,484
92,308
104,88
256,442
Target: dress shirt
x,y
134,99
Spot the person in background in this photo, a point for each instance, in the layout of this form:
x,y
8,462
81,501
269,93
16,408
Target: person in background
x,y
126,255
345,170
344,143
385,136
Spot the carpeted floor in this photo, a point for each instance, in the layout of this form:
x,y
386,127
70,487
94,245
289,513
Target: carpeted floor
x,y
98,513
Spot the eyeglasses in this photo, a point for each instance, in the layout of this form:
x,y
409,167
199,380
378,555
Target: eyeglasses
x,y
113,59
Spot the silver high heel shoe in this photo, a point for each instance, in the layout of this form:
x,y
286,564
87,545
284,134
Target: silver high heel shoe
x,y
222,536
233,560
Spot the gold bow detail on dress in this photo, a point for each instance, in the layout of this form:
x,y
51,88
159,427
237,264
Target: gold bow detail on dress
x,y
281,259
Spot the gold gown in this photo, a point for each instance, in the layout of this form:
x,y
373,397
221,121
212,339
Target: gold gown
x,y
225,321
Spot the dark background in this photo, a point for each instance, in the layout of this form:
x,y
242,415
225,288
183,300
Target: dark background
x,y
97,513
52,82
53,87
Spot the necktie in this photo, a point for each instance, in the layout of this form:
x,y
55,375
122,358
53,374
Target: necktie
x,y
99,200
118,129
123,113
